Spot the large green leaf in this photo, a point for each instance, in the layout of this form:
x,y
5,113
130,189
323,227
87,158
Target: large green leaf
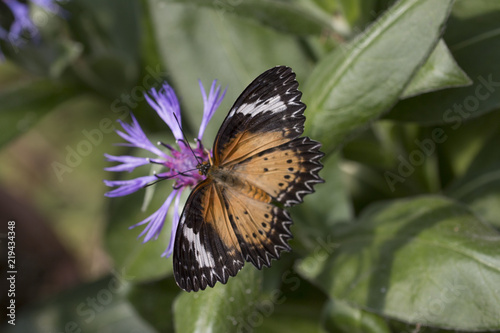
x,y
197,43
425,260
291,17
358,83
224,308
473,37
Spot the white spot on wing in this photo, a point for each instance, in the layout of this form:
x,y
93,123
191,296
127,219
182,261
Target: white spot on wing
x,y
273,104
204,258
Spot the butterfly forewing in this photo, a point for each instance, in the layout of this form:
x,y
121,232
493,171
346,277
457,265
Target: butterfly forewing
x,y
259,163
269,106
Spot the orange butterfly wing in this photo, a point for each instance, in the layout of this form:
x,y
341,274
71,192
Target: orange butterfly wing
x,y
259,160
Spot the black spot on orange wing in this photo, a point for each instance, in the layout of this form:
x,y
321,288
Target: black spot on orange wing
x,y
263,233
287,182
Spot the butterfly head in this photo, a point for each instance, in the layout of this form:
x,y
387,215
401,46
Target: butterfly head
x,y
203,168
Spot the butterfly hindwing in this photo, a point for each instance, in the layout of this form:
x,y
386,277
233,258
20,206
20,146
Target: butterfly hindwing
x,y
286,172
262,229
206,247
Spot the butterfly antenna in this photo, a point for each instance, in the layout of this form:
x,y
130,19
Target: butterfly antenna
x,y
184,140
160,178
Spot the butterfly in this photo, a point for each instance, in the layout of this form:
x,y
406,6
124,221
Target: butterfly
x,y
260,166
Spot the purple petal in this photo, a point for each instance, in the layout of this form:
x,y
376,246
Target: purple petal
x,y
49,5
127,186
129,163
166,105
156,220
22,20
175,223
135,135
210,104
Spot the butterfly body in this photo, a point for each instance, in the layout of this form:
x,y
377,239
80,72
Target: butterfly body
x,y
260,166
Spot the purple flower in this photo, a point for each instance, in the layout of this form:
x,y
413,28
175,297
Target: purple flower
x,y
20,22
180,164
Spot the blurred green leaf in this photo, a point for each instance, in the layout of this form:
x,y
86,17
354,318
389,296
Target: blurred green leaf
x,y
473,37
49,52
110,33
416,260
49,58
154,302
93,307
329,205
294,306
224,308
24,101
357,83
440,71
291,17
462,143
340,317
293,317
197,43
480,186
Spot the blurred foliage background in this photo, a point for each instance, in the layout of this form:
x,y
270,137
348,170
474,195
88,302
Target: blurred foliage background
x,y
404,96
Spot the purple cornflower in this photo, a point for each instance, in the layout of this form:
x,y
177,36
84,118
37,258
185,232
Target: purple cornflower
x,y
180,164
20,21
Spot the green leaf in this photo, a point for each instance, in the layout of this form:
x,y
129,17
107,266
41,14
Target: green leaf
x,y
154,302
224,308
328,206
439,72
47,59
358,83
417,260
110,33
293,316
198,44
472,36
339,316
291,17
480,186
24,102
